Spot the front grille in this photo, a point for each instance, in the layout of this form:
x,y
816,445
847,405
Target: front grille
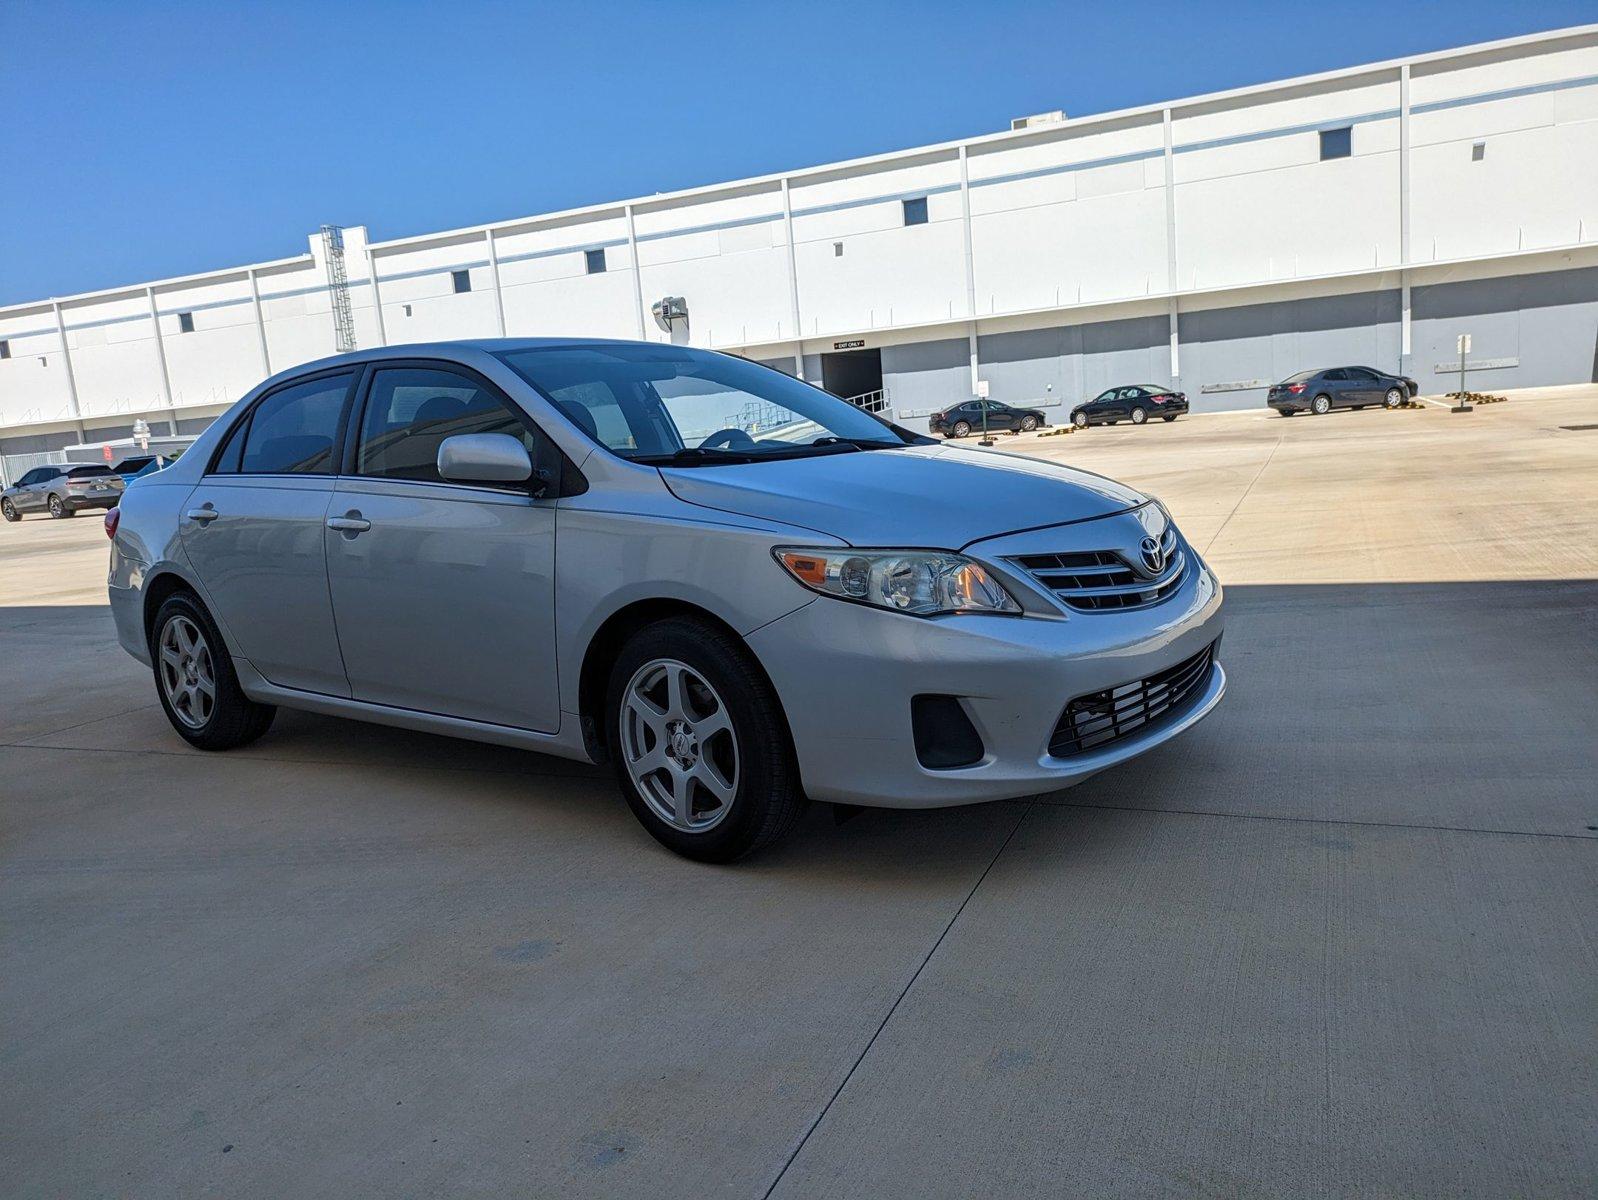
x,y
1099,580
1093,721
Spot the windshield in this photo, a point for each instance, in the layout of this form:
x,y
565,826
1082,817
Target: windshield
x,y
675,404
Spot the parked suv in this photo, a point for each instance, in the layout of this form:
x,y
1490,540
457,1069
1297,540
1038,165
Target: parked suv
x,y
588,548
1339,387
961,420
1135,403
61,491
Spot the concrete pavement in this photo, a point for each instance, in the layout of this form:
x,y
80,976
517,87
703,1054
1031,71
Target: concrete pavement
x,y
1335,940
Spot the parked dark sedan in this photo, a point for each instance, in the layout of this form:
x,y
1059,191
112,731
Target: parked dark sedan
x,y
960,420
141,465
1340,387
1135,403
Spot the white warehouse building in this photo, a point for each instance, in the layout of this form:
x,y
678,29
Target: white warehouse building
x,y
1217,244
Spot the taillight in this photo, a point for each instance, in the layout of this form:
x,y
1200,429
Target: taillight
x,y
112,517
1295,388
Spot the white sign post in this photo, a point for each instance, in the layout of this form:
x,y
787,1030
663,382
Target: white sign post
x,y
1464,349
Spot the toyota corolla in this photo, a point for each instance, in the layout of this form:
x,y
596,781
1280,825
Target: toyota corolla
x,y
741,591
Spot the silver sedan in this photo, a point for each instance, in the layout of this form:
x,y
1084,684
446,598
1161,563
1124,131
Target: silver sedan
x,y
741,591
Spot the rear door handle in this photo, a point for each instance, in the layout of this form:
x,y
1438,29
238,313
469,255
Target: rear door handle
x,y
351,524
202,515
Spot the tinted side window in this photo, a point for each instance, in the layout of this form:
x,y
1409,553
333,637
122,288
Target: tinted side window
x,y
1336,375
411,410
227,462
83,472
292,431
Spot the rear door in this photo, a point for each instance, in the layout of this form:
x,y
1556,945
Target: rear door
x,y
253,528
444,593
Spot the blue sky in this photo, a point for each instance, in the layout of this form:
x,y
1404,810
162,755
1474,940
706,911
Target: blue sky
x,y
147,140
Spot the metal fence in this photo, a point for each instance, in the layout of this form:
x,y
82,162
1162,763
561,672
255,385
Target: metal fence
x,y
14,466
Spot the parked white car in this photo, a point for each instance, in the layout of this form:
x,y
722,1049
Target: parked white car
x,y
740,590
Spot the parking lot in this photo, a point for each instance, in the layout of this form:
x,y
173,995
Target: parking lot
x,y
1338,939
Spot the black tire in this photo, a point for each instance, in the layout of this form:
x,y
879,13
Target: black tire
x,y
1321,405
1113,421
769,797
8,511
961,429
1139,416
1080,420
58,508
235,719
1028,423
1393,398
1169,419
1288,412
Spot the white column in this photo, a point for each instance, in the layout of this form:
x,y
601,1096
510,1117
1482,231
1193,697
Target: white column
x,y
160,357
638,279
1170,224
260,324
493,273
970,269
1176,359
72,379
377,297
793,282
1404,348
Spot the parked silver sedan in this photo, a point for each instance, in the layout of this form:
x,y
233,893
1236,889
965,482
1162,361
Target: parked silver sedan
x,y
741,591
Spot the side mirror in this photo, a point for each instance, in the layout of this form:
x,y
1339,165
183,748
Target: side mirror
x,y
484,458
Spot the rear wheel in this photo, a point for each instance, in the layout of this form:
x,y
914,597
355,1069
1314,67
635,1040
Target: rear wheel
x,y
961,429
1393,398
701,746
8,511
195,680
1139,416
1169,418
58,508
1321,405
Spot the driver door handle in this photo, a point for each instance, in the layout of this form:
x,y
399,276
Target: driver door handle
x,y
349,524
203,515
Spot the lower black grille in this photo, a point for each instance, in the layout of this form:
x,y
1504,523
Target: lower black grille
x,y
1093,721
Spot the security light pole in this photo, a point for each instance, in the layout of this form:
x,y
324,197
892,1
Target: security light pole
x,y
1464,348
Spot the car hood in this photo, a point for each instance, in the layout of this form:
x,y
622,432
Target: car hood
x,y
936,496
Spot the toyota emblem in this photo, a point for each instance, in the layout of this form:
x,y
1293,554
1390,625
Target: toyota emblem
x,y
1153,555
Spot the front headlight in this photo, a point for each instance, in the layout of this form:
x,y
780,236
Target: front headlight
x,y
921,582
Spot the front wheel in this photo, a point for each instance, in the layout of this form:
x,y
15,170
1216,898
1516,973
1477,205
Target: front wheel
x,y
961,429
1139,416
8,511
1080,420
1321,405
1028,423
701,746
58,509
195,680
1393,398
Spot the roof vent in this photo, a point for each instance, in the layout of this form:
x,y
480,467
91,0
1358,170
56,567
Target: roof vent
x,y
1057,117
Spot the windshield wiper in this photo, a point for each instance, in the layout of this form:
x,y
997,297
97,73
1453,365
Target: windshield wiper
x,y
696,456
858,443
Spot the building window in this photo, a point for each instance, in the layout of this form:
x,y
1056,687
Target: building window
x,y
462,280
594,261
186,322
1337,143
1478,151
837,249
5,349
407,310
915,211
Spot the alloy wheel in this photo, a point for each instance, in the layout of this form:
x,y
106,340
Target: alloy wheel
x,y
188,674
57,509
1394,398
678,746
1080,420
1139,416
1321,405
7,511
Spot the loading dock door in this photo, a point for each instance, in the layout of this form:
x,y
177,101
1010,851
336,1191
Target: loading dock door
x,y
851,373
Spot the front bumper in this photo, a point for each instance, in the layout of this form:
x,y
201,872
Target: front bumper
x,y
846,674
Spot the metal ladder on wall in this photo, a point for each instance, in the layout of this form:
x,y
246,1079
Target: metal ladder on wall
x,y
338,287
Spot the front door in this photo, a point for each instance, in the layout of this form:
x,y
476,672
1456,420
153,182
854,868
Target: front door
x,y
1000,416
253,529
444,593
